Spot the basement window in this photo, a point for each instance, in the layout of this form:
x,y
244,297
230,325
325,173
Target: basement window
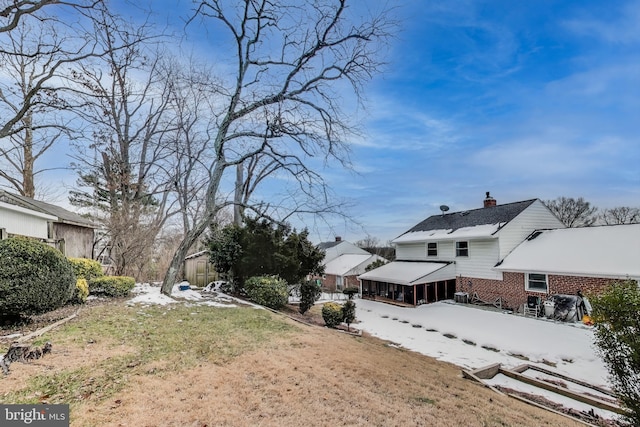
x,y
432,249
462,248
537,282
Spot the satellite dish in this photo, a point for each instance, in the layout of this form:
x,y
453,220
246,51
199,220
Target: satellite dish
x,y
444,208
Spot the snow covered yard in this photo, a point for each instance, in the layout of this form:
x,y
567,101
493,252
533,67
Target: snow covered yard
x,y
472,338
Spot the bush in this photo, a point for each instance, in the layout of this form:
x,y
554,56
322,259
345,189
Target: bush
x,y
34,278
349,312
81,292
112,286
351,291
332,314
616,315
309,294
270,291
86,268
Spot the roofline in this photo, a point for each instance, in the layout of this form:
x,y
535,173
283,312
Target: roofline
x,y
27,211
600,275
479,209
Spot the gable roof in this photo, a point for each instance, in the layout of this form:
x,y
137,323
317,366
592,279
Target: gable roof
x,y
344,264
63,215
610,251
327,245
481,222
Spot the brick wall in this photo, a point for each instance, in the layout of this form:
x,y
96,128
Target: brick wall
x,y
512,288
329,282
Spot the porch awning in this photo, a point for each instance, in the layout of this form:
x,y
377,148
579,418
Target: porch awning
x,y
411,273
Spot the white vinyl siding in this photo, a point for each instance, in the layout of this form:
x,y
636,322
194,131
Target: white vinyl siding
x,y
411,251
24,222
536,216
483,255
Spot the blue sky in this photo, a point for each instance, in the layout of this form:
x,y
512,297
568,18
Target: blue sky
x,y
525,99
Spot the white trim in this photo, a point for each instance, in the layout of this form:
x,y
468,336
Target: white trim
x,y
26,211
538,290
467,248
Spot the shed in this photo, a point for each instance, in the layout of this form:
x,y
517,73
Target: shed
x,y
198,271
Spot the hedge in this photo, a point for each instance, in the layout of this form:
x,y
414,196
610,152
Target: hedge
x,y
112,286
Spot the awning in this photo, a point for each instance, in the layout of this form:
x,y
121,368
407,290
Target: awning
x,y
411,273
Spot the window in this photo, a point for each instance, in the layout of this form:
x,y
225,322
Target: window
x,y
462,248
537,282
432,249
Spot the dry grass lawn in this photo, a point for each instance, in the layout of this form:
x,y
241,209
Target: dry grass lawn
x,y
202,366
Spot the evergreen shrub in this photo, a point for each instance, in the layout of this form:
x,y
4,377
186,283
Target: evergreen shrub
x,y
34,278
332,314
111,286
81,292
85,268
270,291
309,294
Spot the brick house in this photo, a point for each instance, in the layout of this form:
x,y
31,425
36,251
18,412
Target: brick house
x,y
565,261
457,252
343,262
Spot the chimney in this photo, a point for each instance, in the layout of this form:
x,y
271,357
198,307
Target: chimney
x,y
338,239
489,201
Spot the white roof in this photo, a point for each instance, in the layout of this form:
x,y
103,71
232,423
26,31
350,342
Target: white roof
x,y
343,264
484,231
605,251
342,248
411,273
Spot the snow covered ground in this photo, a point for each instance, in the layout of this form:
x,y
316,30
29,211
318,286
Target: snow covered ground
x,y
477,337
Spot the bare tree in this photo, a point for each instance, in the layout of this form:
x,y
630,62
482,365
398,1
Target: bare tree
x,y
573,212
29,58
12,11
125,97
620,215
292,63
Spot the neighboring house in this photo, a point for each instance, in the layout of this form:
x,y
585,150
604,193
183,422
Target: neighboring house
x,y
339,247
198,270
343,262
21,221
569,260
457,252
71,233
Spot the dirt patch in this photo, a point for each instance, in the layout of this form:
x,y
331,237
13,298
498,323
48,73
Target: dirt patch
x,y
317,377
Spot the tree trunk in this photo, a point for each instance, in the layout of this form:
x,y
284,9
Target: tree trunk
x,y
237,199
190,238
28,185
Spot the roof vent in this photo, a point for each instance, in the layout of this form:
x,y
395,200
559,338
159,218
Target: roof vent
x,y
444,208
534,235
